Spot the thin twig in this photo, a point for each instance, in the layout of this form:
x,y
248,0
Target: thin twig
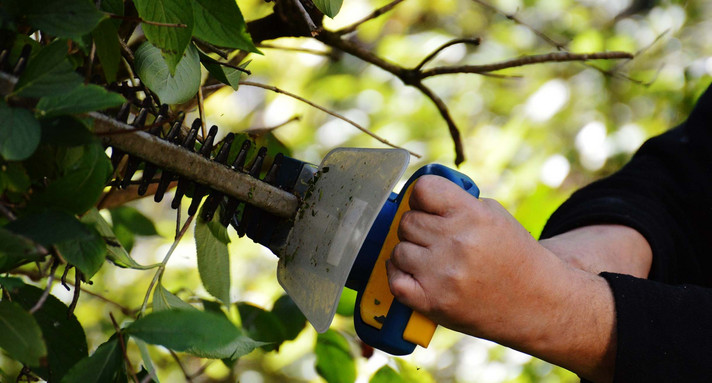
x,y
140,20
327,111
187,376
204,45
525,60
373,15
256,132
90,65
452,127
77,289
201,111
475,41
313,29
302,50
120,335
45,293
7,213
162,267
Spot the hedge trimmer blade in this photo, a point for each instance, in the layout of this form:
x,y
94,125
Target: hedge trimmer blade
x,y
345,197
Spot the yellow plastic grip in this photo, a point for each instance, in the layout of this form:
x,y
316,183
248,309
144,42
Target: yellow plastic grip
x,y
377,297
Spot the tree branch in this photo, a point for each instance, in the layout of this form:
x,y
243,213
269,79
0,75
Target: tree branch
x,y
475,41
373,15
525,60
452,127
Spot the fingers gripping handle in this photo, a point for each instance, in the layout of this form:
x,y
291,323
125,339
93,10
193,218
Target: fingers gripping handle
x,y
380,320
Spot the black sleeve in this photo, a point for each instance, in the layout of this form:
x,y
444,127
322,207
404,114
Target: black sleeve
x,y
664,324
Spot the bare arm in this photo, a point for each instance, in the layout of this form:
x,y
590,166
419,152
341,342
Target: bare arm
x,y
470,266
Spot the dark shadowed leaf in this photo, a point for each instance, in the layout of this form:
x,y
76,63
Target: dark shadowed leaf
x,y
49,227
65,131
16,250
87,253
133,219
220,22
48,72
170,40
329,7
386,375
20,335
104,365
170,88
108,48
64,336
262,325
213,260
334,361
200,333
66,18
81,99
19,133
288,313
226,75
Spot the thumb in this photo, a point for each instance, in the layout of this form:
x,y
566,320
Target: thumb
x,y
406,289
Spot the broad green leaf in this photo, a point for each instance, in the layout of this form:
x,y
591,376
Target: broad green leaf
x,y
334,361
115,252
48,72
108,48
220,22
20,335
329,7
291,317
86,253
104,365
171,40
200,333
170,88
86,169
386,375
147,361
14,178
262,325
165,300
64,336
19,133
213,260
65,18
49,227
16,250
412,373
81,99
133,219
11,283
347,303
225,75
65,131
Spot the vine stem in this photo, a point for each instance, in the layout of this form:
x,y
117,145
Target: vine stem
x,y
162,266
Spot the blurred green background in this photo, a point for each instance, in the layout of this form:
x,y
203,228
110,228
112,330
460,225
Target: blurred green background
x,y
529,141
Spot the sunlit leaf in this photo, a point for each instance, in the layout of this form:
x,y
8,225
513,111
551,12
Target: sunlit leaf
x,y
48,72
170,88
347,302
115,252
20,335
16,250
200,333
173,40
220,22
329,7
213,260
412,373
165,300
19,133
133,219
334,361
104,365
64,335
81,99
150,369
386,374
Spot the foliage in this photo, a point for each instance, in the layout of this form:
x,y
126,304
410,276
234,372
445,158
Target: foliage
x,y
528,136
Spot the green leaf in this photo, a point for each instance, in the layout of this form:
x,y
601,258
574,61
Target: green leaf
x,y
20,335
115,252
262,325
171,40
200,333
86,253
225,75
65,131
334,361
386,375
64,336
133,219
220,22
347,303
14,178
291,317
147,362
213,260
329,7
81,99
86,170
170,88
66,18
49,227
104,365
108,48
165,300
16,250
19,133
412,373
48,73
